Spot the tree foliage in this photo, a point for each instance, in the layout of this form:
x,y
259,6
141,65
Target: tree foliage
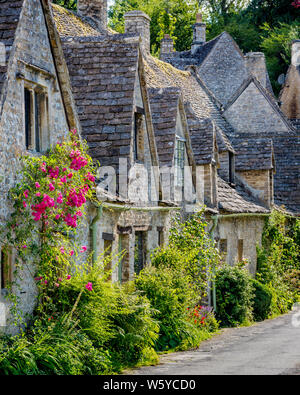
x,y
70,4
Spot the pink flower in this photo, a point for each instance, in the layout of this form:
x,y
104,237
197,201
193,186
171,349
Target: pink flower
x,y
57,285
59,198
64,169
38,278
71,221
43,167
57,217
90,177
89,286
54,173
24,246
83,249
24,204
45,282
62,250
74,131
71,252
38,194
59,279
26,193
51,187
37,185
63,179
68,277
70,175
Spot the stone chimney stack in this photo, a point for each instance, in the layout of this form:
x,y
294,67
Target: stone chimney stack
x,y
139,23
296,53
199,37
96,10
166,46
256,65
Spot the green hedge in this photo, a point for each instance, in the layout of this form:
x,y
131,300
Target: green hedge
x,y
235,294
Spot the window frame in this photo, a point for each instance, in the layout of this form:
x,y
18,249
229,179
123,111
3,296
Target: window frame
x,y
36,117
139,265
139,133
179,162
5,272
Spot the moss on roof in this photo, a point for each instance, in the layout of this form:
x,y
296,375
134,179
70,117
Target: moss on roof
x,y
69,24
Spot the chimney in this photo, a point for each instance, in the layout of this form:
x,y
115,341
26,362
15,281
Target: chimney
x,y
199,37
296,53
166,46
139,23
256,65
95,10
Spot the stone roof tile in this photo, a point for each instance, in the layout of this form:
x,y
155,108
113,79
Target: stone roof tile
x,y
164,109
253,154
103,74
10,11
237,200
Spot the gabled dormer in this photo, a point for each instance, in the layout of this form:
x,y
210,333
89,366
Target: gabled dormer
x,y
255,167
108,84
205,150
176,160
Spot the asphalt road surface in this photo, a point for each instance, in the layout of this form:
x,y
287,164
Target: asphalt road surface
x,y
271,347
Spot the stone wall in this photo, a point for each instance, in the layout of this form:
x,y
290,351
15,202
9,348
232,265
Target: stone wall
x,y
119,225
256,64
139,22
224,69
31,48
94,9
290,95
261,181
252,114
247,229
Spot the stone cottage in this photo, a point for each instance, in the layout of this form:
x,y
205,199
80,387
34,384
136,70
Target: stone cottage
x,y
171,134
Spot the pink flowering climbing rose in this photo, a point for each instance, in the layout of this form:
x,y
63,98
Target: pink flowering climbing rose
x,y
50,203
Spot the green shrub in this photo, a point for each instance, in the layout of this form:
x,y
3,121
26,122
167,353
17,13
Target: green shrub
x,y
278,261
170,294
262,301
116,318
56,347
234,292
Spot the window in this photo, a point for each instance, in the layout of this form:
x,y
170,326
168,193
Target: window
x,y
123,268
139,252
179,162
231,168
161,240
139,134
36,119
223,248
107,256
6,269
240,250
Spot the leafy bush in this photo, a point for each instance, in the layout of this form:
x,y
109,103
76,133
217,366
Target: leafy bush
x,y
170,295
52,348
278,262
234,292
178,280
262,301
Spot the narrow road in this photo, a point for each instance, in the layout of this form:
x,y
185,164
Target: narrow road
x,y
271,347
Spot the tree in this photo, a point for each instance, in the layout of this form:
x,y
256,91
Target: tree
x,y
222,7
174,17
70,4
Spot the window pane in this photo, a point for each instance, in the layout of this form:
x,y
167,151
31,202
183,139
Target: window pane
x,y
139,253
28,119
